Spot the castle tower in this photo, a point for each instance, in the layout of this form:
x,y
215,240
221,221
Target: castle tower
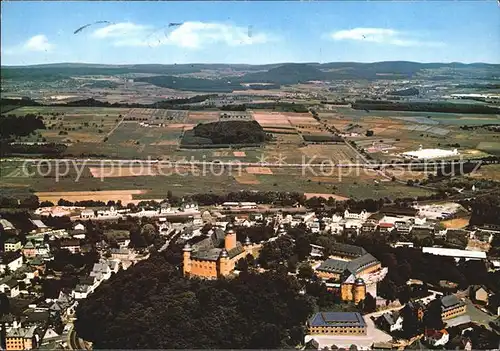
x,y
186,268
247,246
230,238
346,291
224,268
359,290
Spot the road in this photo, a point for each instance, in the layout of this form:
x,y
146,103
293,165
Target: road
x,y
325,163
75,343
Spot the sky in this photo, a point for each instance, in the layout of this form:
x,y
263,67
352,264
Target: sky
x,y
249,32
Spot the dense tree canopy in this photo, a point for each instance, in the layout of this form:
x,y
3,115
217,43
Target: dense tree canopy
x,y
12,125
152,306
231,132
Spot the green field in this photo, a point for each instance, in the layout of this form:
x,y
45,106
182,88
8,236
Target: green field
x,y
354,185
491,147
122,136
406,131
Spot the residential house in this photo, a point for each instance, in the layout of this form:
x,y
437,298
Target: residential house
x,y
385,227
50,336
87,214
82,291
42,250
363,215
101,271
189,207
369,227
21,338
390,321
10,287
460,342
436,338
7,226
40,226
72,245
37,263
478,293
12,244
403,227
422,231
29,250
314,226
10,261
79,231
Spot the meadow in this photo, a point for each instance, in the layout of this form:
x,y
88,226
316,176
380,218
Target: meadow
x,y
395,132
123,133
134,184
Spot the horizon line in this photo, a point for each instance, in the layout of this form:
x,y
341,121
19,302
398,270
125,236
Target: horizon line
x,y
245,64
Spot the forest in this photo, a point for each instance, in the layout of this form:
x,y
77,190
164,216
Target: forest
x,y
424,107
151,306
17,126
231,132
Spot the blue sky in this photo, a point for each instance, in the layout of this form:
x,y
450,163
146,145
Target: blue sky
x,y
250,32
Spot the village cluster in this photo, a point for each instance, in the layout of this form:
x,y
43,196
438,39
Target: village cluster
x,y
37,320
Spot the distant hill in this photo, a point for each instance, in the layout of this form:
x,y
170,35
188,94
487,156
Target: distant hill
x,y
278,74
290,73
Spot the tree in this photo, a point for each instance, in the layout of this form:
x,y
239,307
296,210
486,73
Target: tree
x,y
369,133
410,322
306,271
252,310
432,316
370,304
4,304
30,202
242,265
302,247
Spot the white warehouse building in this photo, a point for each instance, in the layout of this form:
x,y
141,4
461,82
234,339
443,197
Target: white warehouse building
x,y
425,154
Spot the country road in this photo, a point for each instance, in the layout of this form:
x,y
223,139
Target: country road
x,y
96,162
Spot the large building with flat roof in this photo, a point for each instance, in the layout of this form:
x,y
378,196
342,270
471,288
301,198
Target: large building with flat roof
x,y
455,253
337,323
452,306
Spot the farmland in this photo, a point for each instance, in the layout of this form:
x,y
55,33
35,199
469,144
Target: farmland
x,y
131,133
395,132
153,183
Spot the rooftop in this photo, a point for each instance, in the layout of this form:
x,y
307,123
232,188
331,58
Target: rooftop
x,y
347,319
350,250
332,265
450,301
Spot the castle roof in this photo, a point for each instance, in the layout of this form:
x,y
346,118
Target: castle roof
x,y
350,250
332,265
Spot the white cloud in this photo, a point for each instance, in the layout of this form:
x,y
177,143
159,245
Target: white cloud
x,y
37,43
191,35
120,30
381,36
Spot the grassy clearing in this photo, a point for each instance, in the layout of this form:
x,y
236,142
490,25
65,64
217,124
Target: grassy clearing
x,y
490,172
131,188
491,147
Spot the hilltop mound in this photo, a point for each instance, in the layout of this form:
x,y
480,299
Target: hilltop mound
x,y
289,73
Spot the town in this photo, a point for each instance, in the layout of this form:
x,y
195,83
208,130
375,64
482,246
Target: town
x,y
250,175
